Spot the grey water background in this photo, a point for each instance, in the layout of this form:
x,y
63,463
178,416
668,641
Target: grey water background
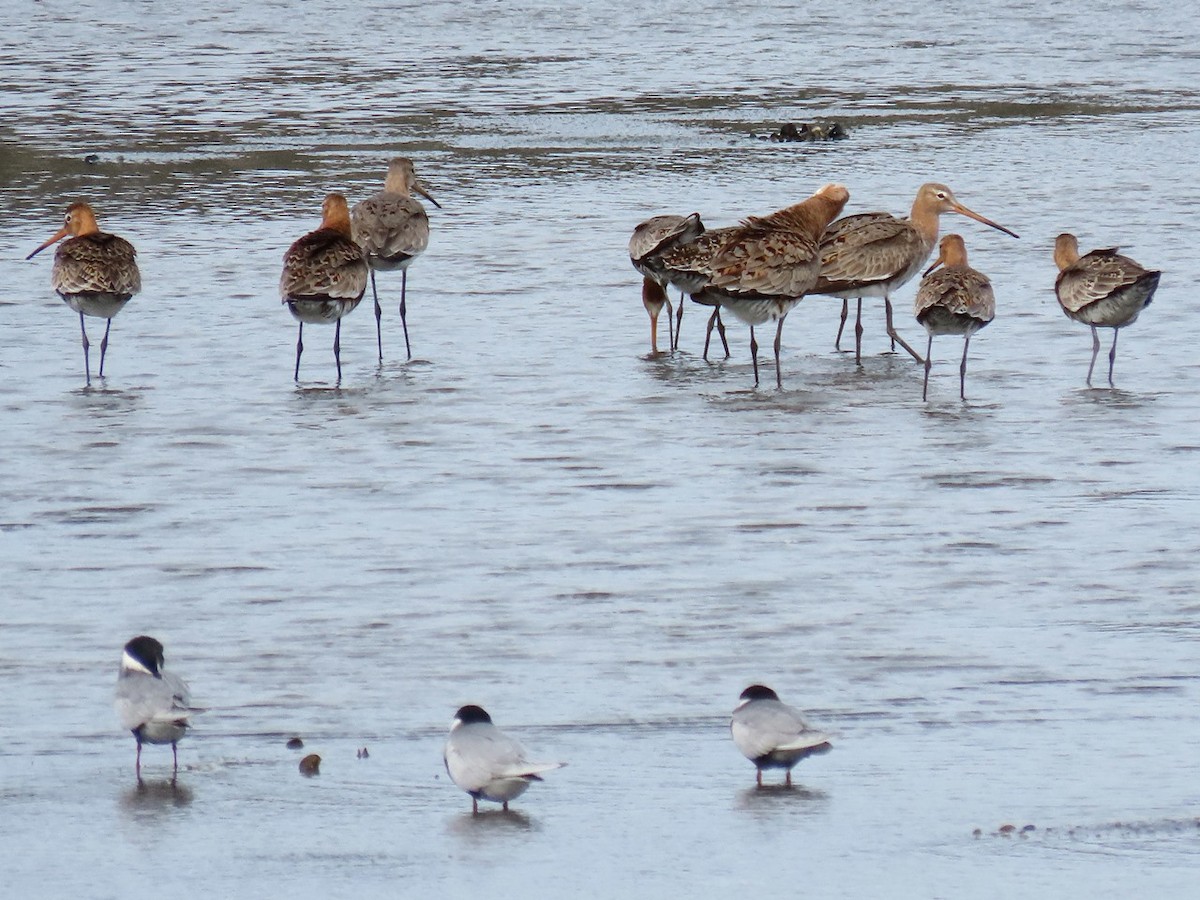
x,y
992,605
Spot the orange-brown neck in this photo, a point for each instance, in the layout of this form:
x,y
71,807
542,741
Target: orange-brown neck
x,y
82,220
1066,251
335,214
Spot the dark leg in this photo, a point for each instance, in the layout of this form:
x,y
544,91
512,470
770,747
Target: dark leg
x,y
778,337
858,334
299,350
962,370
174,761
474,807
670,322
504,806
404,309
758,777
87,366
896,339
1112,357
679,323
1095,350
837,342
754,354
337,348
104,344
138,763
721,332
708,331
928,363
378,317
788,780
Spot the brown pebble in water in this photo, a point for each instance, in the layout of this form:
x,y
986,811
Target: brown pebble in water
x,y
310,765
295,744
1007,829
978,832
363,754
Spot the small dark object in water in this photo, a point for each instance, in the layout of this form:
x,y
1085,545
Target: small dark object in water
x,y
790,132
310,765
1007,829
363,754
1029,828
978,832
92,158
295,744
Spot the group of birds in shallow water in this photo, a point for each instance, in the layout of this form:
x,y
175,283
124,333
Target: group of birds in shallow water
x,y
155,705
325,273
758,270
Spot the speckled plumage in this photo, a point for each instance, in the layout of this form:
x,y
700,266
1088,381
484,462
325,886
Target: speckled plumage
x,y
650,240
1101,289
393,228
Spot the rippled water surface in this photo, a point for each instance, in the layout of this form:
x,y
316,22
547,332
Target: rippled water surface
x,y
992,605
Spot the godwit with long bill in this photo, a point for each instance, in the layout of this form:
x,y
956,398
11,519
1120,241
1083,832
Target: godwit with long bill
x,y
955,299
1102,289
762,268
649,241
686,269
95,273
873,254
393,228
324,276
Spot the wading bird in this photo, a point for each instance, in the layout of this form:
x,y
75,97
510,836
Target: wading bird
x,y
771,734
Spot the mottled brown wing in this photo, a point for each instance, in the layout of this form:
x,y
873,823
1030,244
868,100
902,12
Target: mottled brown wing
x,y
99,262
862,249
766,262
958,289
1094,277
324,263
390,225
658,233
689,266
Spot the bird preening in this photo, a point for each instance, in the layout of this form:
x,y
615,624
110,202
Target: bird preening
x,y
152,703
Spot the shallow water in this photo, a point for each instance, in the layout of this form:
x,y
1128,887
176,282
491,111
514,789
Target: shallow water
x,y
991,604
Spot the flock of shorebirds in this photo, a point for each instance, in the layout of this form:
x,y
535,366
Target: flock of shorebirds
x,y
758,270
155,705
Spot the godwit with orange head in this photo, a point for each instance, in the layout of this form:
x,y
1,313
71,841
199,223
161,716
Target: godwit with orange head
x,y
686,267
393,228
94,272
324,276
1102,289
873,254
955,299
649,241
765,265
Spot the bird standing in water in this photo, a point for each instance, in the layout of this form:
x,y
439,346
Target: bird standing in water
x,y
324,276
393,228
1102,289
955,299
151,702
95,273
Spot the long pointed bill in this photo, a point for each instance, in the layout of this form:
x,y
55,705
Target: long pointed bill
x,y
58,236
937,262
420,189
970,214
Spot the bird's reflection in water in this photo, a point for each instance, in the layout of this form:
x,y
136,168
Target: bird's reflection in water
x,y
492,821
772,797
152,797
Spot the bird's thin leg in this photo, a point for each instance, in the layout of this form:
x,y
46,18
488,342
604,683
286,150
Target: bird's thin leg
x,y
778,338
928,363
837,342
299,350
679,323
1095,350
896,339
138,763
754,354
104,344
378,316
87,366
708,331
504,806
404,310
788,780
758,777
174,760
670,322
337,348
1112,356
474,807
721,332
858,330
962,370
